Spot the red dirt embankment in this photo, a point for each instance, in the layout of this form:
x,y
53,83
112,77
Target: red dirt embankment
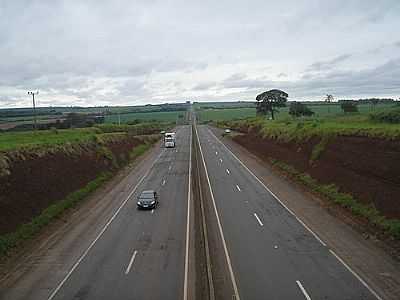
x,y
367,168
34,179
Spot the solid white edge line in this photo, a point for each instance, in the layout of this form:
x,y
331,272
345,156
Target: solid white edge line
x,y
238,188
303,290
52,295
258,219
228,260
355,274
298,219
185,283
130,262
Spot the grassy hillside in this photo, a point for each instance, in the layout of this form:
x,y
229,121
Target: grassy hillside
x,y
167,116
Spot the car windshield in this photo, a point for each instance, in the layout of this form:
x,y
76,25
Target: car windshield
x,y
147,195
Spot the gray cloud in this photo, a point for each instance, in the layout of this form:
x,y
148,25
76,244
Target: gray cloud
x,y
134,52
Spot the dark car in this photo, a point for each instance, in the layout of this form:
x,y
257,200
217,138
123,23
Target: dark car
x,y
147,200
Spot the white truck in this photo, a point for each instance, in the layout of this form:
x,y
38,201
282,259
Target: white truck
x,y
169,139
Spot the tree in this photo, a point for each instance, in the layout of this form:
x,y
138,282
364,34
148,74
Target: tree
x,y
267,101
329,99
298,109
349,106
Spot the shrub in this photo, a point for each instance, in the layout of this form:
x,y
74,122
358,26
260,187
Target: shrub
x,y
390,116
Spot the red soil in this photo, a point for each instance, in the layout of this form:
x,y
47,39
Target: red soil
x,y
367,168
36,181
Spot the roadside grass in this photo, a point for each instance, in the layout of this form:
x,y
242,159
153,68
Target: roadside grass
x,y
28,230
300,129
332,193
56,137
139,151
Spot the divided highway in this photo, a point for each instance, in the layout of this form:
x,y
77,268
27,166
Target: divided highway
x,y
272,255
268,252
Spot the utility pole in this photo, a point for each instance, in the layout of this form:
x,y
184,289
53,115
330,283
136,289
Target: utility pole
x,y
34,107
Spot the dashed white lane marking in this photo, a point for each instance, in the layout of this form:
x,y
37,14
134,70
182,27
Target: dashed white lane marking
x,y
176,150
216,152
220,160
227,171
238,188
130,262
258,219
169,168
152,211
303,290
163,182
59,286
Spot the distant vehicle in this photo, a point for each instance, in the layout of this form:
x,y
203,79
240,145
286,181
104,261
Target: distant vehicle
x,y
169,139
147,200
227,130
162,132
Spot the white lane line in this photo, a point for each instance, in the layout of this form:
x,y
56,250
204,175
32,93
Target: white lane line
x,y
169,168
185,282
228,260
220,160
176,150
163,182
258,219
265,187
303,290
299,220
152,211
130,262
216,152
227,171
355,274
238,188
53,294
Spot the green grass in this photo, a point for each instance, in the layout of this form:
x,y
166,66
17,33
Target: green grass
x,y
324,111
332,193
168,116
13,140
304,128
226,114
28,230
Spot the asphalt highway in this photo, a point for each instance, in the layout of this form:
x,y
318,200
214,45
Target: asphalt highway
x,y
141,254
272,255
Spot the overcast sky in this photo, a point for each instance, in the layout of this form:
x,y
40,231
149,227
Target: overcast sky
x,y
136,52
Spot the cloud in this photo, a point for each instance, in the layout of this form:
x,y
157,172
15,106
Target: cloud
x,y
136,51
328,64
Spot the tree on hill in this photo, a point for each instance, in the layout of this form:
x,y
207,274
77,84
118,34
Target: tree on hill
x,y
329,99
269,100
298,109
348,106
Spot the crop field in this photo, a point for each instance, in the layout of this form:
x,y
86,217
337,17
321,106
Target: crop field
x,y
167,116
11,140
320,111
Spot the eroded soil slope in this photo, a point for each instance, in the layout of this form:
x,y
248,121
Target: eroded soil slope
x,y
367,168
34,179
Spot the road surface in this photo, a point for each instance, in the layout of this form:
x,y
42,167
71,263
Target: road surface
x,y
273,256
136,254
